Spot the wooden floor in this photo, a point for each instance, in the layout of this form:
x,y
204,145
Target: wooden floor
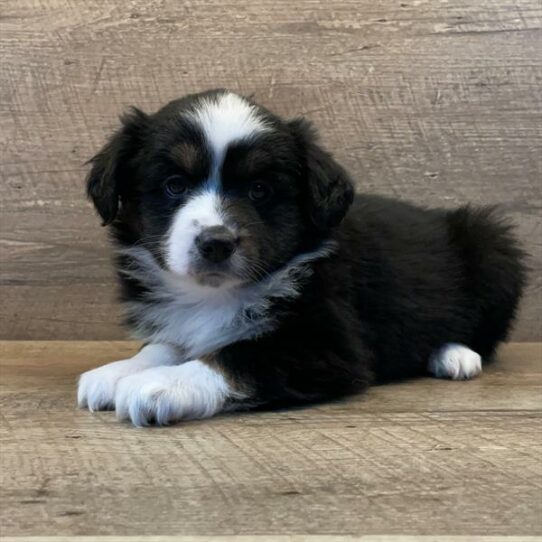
x,y
420,457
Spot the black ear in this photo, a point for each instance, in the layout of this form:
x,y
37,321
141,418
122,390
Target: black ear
x,y
110,173
329,190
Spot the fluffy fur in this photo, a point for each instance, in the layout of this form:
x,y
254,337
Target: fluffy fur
x,y
258,280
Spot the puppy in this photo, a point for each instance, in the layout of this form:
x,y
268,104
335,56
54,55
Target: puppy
x,y
256,278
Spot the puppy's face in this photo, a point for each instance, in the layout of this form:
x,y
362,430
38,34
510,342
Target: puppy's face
x,y
217,188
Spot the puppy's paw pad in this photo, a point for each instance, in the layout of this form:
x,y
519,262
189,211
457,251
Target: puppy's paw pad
x,y
96,388
455,361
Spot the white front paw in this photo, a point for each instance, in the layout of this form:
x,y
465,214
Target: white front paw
x,y
165,395
96,390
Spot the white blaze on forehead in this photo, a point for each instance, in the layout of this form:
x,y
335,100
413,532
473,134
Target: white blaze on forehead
x,y
227,118
202,211
223,119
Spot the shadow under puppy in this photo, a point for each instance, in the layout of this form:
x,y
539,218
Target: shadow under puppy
x,y
257,279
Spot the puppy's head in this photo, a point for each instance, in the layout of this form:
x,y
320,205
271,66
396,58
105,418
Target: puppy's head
x,y
220,190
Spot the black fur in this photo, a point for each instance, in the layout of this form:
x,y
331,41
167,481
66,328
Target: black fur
x,y
403,281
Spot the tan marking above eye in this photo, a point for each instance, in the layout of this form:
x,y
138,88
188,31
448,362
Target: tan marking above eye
x,y
186,155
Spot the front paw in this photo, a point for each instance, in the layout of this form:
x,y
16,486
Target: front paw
x,y
96,389
164,395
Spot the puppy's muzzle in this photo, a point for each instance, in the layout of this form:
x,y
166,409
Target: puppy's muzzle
x,y
216,244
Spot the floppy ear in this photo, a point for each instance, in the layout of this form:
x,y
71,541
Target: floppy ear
x,y
109,175
329,190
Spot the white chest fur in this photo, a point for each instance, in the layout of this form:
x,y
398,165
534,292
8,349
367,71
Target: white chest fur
x,y
203,320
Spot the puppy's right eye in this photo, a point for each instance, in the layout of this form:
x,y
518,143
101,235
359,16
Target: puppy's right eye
x,y
259,191
175,186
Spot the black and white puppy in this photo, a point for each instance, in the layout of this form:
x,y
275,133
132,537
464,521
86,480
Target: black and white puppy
x,y
257,279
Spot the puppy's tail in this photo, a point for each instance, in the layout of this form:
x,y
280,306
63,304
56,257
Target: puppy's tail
x,y
495,271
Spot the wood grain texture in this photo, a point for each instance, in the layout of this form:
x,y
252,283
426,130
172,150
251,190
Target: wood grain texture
x,y
274,538
425,457
433,101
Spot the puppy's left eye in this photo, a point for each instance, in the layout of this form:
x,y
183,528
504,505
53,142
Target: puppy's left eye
x,y
175,186
259,191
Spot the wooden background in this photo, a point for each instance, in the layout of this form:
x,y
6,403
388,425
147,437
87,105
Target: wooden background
x,y
433,101
422,457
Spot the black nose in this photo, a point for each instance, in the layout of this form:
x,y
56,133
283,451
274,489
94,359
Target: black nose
x,y
216,244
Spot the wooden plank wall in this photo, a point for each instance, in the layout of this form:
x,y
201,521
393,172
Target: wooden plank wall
x,y
433,101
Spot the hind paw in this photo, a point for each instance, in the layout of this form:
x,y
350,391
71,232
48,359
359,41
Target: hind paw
x,y
455,361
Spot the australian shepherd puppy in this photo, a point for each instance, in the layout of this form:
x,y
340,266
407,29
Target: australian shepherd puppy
x,y
256,278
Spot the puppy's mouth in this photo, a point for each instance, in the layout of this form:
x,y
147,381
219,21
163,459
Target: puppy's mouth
x,y
214,279
215,259
212,275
